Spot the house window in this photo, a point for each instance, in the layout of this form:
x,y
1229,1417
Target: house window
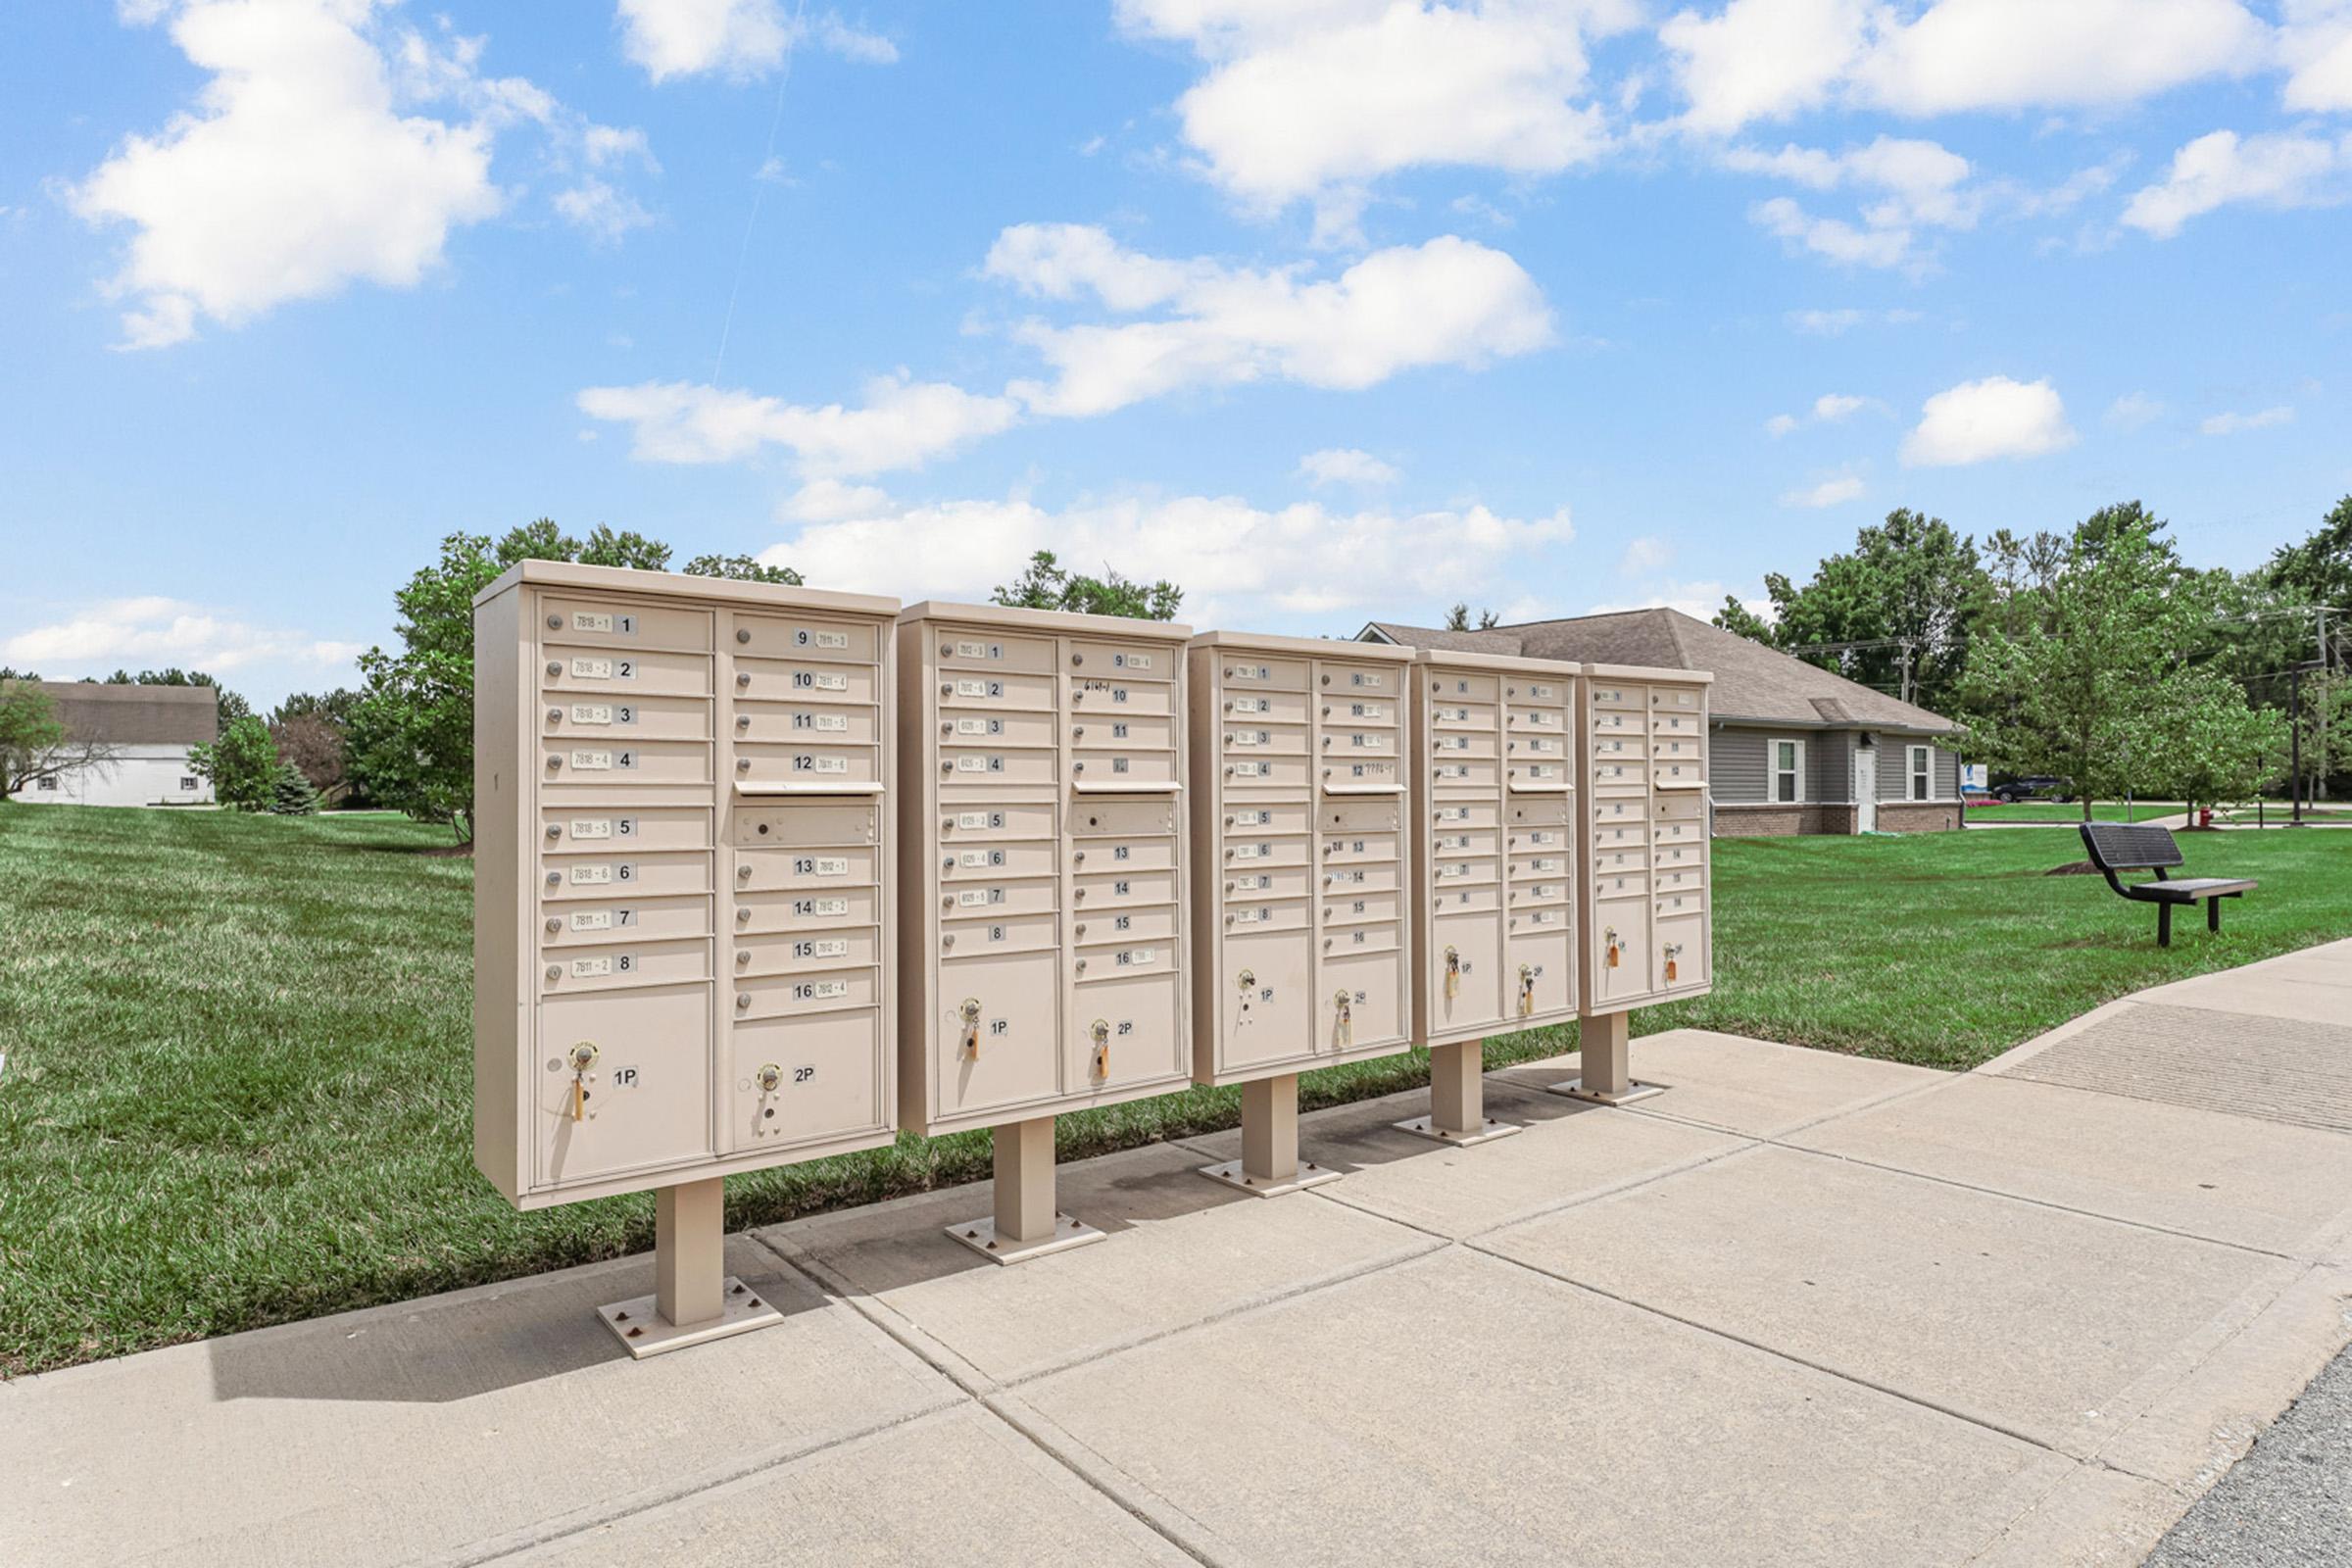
x,y
1788,771
187,784
1923,778
47,784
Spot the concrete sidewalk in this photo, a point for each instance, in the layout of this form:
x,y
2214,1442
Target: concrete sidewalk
x,y
1802,1308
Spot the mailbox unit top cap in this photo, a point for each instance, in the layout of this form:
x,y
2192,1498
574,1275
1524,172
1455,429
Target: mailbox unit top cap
x,y
621,579
1313,646
1508,663
1045,622
1650,672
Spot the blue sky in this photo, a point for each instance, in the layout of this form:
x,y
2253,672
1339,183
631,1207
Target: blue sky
x,y
1327,308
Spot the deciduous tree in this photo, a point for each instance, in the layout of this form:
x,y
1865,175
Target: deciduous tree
x,y
1045,585
34,744
242,765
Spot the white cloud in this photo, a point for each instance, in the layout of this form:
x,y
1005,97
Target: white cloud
x,y
159,632
1699,600
1832,237
1447,301
1644,556
2317,43
1994,418
1831,407
1909,184
1236,561
2231,423
1346,465
1828,492
1313,99
831,501
602,211
2277,168
902,423
1770,59
738,38
2133,411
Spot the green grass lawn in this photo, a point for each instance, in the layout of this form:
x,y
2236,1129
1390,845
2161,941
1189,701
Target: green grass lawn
x,y
238,1075
2072,811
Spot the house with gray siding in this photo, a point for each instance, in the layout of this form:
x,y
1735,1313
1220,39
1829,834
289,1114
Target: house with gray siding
x,y
1795,748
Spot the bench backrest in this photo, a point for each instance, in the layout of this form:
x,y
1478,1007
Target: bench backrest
x,y
2130,847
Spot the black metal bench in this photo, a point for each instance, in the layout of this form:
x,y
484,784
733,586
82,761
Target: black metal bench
x,y
2144,846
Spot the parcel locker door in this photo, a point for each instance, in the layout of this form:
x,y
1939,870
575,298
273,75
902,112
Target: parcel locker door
x,y
1366,1005
805,1080
996,1031
1265,989
1620,938
1541,969
1465,969
640,1061
1123,1032
1681,949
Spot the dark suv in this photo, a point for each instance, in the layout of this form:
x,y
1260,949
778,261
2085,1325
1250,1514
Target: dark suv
x,y
2033,787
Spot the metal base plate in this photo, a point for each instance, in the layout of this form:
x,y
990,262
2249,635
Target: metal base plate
x,y
1427,1127
1636,1089
1230,1174
644,1331
980,1234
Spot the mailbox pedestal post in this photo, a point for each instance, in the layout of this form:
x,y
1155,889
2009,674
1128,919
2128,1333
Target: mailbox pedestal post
x,y
1457,1099
1025,1223
1269,1164
1602,1043
695,1299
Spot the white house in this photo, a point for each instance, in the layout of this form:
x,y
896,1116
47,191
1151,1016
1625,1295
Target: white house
x,y
150,729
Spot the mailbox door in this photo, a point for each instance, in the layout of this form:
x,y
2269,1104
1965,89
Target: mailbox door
x,y
1006,1056
806,1081
1622,924
645,1100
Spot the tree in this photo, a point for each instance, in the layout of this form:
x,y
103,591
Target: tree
x,y
411,737
1736,619
232,706
242,765
1458,618
2319,571
742,568
2094,686
335,706
7,674
311,744
2321,719
1912,591
34,744
291,793
1045,585
2215,747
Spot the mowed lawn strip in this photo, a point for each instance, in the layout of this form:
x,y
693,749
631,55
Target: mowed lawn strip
x,y
238,1080
2072,811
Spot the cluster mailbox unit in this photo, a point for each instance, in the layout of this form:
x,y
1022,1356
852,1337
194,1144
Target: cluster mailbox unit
x,y
709,940
683,942
1493,808
1300,875
1649,937
1042,885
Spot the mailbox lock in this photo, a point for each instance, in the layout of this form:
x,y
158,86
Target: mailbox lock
x,y
555,667
946,689
553,973
947,729
742,916
1077,659
1673,950
1527,988
743,721
1453,972
554,925
743,873
969,1012
743,764
1346,1020
554,623
555,764
554,831
583,1056
743,958
1246,980
770,1077
1078,855
555,879
555,715
1082,966
1101,1031
743,999
743,677
1608,936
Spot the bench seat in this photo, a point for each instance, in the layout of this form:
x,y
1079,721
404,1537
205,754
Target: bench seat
x,y
2115,847
2189,890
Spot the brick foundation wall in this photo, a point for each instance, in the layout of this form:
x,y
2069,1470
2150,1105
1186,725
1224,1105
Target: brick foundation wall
x,y
1904,817
1780,821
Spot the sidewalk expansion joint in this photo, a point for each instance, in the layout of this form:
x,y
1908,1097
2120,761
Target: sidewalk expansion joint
x,y
996,1407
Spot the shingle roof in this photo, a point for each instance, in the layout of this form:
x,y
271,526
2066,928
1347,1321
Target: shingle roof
x,y
137,716
1752,681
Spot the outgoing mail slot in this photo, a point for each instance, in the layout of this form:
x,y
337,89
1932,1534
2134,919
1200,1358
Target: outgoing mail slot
x,y
846,867
625,718
563,877
625,919
1154,925
1357,909
1123,1032
1005,1054
1245,771
806,1080
959,863
1354,848
1540,811
974,765
981,824
759,913
803,681
1380,936
1245,852
800,637
1679,809
624,962
993,693
1263,707
610,761
1126,855
1372,1014
790,722
1124,818
1379,877
1609,694
621,623
1239,738
1678,775
600,673
795,996
805,950
985,650
1119,890
645,1100
1265,992
1380,814
1250,883
1093,697
964,726
1619,943
1353,680
1009,933
806,764
1114,731
1451,686
1124,767
993,899
632,827
1125,661
1682,944
1254,914
1539,974
804,823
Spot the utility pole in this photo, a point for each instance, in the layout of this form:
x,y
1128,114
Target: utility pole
x,y
2294,734
2320,785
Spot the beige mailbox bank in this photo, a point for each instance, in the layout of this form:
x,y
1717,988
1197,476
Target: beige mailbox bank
x,y
1300,877
1494,811
1042,886
683,942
